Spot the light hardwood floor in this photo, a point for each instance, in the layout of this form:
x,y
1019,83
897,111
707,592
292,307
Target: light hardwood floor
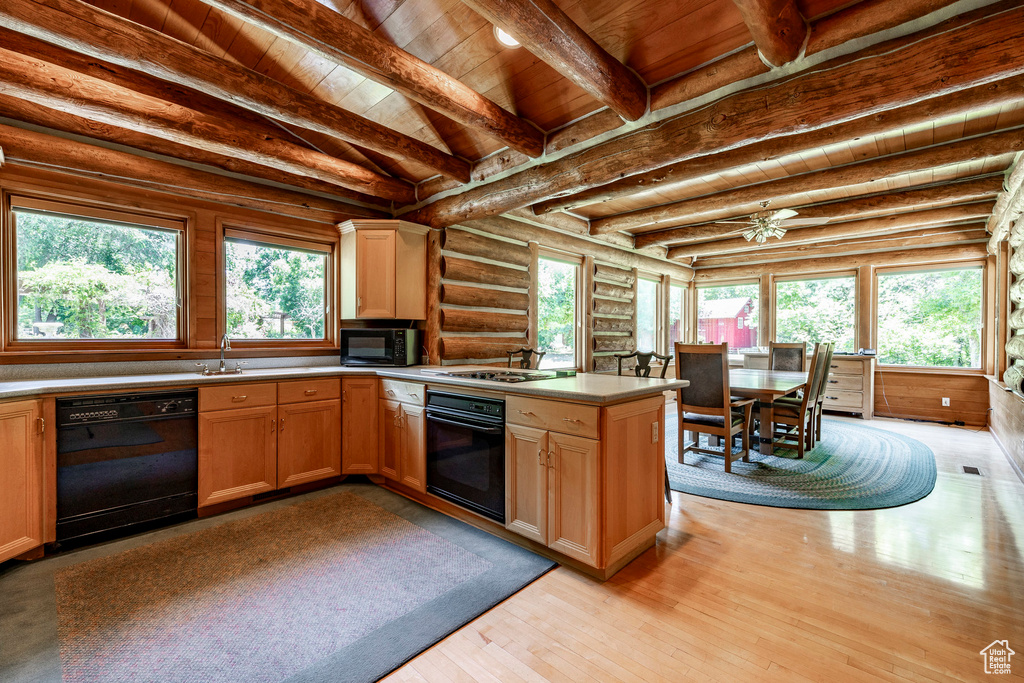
x,y
737,592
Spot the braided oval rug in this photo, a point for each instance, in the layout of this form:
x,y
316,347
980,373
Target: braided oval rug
x,y
854,467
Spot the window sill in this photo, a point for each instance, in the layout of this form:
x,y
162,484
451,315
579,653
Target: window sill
x,y
21,357
913,369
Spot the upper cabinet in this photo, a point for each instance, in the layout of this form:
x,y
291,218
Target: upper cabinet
x,y
383,270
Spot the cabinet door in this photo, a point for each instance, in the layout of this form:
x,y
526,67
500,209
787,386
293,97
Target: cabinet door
x,y
375,274
21,478
413,466
389,432
308,442
526,482
573,489
237,454
359,426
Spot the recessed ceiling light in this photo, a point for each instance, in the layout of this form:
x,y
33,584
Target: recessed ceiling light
x,y
505,38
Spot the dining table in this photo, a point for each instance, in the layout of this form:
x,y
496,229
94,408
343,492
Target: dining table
x,y
766,386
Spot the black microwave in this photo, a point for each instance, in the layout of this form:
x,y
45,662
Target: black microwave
x,y
394,347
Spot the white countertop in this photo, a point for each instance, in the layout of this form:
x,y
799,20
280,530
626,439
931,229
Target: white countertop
x,y
584,387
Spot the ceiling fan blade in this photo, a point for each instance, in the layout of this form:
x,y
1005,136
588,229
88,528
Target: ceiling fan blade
x,y
782,214
732,222
803,222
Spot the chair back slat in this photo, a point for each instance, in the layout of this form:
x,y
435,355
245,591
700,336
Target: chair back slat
x,y
530,359
786,356
643,362
828,369
706,366
819,364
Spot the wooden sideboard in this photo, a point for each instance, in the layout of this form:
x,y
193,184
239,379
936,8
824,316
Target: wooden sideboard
x,y
851,385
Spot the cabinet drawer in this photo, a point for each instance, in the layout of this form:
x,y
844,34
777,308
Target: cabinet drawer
x,y
237,396
841,366
309,390
845,382
567,418
840,400
407,392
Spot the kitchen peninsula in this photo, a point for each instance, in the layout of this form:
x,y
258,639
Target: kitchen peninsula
x,y
583,456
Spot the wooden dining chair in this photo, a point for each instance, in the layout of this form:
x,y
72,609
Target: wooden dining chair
x,y
786,356
643,362
705,407
794,415
819,404
529,358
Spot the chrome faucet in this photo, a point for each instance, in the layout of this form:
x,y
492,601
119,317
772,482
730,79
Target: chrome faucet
x,y
225,345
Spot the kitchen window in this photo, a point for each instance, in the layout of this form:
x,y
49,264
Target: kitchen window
x,y
85,277
817,310
930,318
277,289
559,328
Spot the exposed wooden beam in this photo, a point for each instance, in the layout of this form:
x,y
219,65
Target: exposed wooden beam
x,y
53,86
85,29
957,192
326,33
867,17
675,175
776,26
732,68
44,117
926,237
38,150
869,226
546,31
864,85
790,190
959,252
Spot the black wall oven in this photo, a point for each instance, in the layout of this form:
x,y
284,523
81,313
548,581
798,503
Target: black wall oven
x,y
466,452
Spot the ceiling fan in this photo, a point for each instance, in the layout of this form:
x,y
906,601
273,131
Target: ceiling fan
x,y
765,223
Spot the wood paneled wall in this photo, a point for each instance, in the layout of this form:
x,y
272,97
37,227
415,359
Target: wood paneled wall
x,y
918,396
202,219
1007,422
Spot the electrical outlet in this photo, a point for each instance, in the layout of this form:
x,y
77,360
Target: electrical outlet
x,y
945,402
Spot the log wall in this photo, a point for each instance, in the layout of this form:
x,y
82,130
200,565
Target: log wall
x,y
613,314
1014,374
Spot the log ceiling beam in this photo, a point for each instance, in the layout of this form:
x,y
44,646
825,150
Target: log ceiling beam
x,y
1008,91
869,226
791,190
958,192
777,28
326,33
920,256
79,27
53,86
47,152
547,32
864,85
926,237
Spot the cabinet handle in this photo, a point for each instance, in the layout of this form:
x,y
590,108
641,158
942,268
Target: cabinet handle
x,y
344,396
359,301
833,381
273,426
834,367
280,425
572,420
389,392
239,399
525,412
310,392
42,425
832,398
539,461
550,453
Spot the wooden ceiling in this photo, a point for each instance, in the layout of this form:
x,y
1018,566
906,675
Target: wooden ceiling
x,y
639,122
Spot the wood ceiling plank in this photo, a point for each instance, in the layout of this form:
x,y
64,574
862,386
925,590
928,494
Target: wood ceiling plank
x,y
547,32
149,13
217,33
776,26
84,29
333,37
184,20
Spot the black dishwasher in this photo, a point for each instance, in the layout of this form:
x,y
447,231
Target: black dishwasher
x,y
125,462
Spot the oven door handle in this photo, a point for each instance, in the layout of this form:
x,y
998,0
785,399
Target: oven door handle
x,y
467,425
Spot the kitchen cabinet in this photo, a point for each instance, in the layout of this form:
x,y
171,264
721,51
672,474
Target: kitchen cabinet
x,y
585,481
851,385
383,270
255,438
21,477
359,433
402,436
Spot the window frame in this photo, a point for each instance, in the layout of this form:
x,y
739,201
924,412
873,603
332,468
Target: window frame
x,y
659,313
971,264
287,239
75,208
819,275
577,261
684,289
695,314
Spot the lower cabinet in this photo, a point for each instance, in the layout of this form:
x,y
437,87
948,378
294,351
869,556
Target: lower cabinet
x,y
552,490
288,433
402,439
359,431
21,478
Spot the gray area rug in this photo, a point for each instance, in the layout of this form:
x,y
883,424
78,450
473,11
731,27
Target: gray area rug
x,y
344,584
853,467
